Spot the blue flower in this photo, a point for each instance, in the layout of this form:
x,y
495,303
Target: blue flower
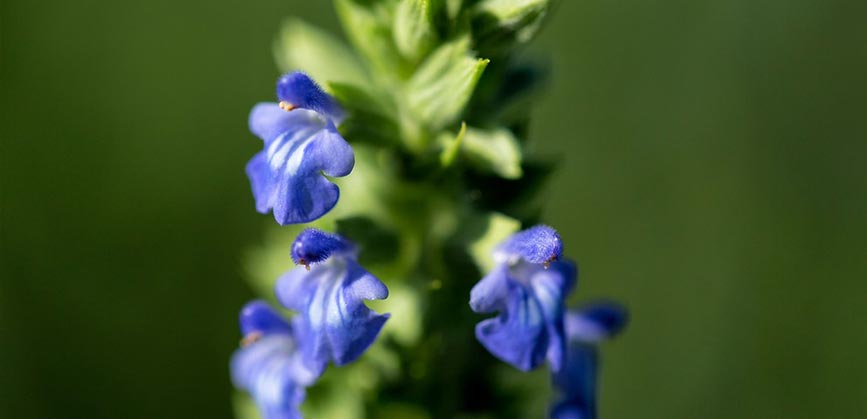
x,y
577,379
329,295
527,287
302,146
269,366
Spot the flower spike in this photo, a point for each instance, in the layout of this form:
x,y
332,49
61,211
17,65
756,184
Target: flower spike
x,y
440,141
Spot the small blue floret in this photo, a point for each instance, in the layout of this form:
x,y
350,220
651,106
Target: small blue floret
x,y
329,298
269,365
301,147
264,369
528,288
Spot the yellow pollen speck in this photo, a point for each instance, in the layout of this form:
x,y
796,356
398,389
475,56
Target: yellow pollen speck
x,y
286,106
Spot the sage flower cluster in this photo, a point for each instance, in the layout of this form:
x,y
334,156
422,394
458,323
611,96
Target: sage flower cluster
x,y
397,165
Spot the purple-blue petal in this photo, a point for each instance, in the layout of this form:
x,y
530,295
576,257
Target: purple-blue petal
x,y
576,381
330,299
287,177
518,337
595,322
259,317
313,246
261,181
272,372
299,90
566,410
529,299
267,121
492,292
539,244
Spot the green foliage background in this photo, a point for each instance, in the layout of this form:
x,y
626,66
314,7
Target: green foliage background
x,y
713,177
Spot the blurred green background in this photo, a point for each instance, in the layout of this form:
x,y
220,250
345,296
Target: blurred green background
x,y
714,178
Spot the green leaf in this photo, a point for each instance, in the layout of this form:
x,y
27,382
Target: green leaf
x,y
368,26
301,46
498,228
367,99
501,22
414,32
453,7
371,114
496,151
451,146
439,91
